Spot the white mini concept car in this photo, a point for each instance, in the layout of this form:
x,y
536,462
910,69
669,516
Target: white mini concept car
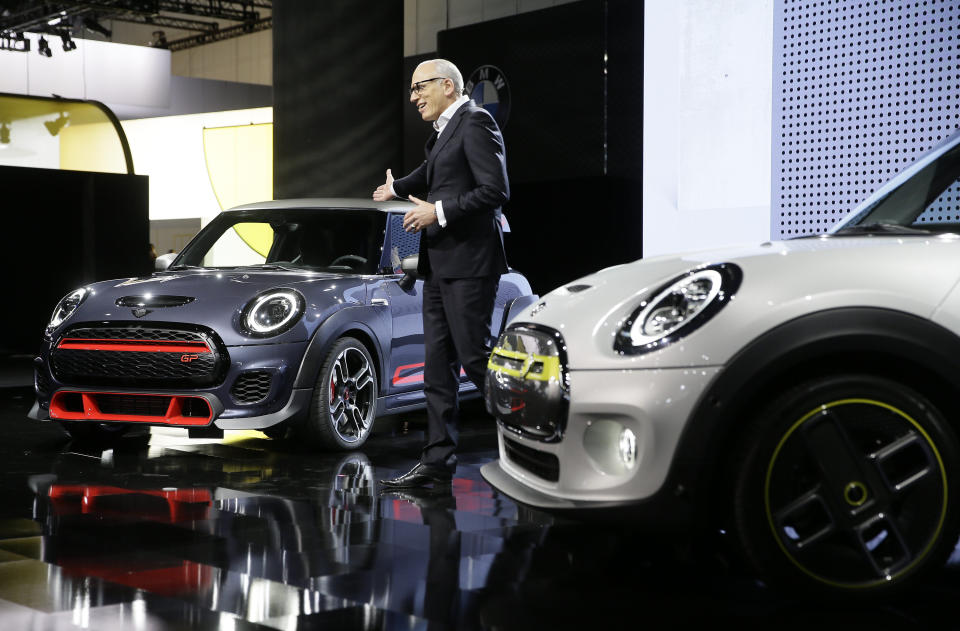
x,y
802,394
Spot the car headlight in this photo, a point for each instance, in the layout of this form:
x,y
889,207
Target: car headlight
x,y
272,312
678,308
65,308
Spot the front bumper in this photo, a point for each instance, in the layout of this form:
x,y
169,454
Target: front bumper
x,y
653,404
279,401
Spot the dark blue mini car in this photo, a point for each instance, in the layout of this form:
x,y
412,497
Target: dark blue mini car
x,y
297,318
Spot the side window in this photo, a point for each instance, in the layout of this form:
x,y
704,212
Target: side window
x,y
402,243
944,209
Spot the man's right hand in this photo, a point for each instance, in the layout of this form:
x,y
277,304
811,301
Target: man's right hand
x,y
382,192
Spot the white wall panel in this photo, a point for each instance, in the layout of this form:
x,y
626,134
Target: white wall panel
x,y
62,73
683,80
127,74
13,72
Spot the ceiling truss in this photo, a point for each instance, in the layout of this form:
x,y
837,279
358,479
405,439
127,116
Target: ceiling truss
x,y
200,17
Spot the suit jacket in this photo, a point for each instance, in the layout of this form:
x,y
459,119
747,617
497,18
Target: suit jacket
x,y
466,168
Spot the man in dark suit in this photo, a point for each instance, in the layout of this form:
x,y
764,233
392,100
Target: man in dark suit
x,y
464,180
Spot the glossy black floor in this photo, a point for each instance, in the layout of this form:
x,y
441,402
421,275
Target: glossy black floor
x,y
158,531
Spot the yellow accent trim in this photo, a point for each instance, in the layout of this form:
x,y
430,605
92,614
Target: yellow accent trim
x,y
551,365
855,485
776,452
239,161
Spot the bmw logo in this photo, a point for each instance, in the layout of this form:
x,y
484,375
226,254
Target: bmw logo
x,y
488,86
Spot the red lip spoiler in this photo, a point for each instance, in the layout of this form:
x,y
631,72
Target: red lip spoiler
x,y
148,346
60,409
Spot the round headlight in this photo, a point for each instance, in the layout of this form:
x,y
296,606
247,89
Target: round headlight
x,y
65,308
678,308
272,312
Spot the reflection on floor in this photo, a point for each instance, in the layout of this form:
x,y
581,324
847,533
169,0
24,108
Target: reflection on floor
x,y
159,531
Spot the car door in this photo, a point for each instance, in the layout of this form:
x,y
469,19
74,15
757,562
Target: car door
x,y
404,365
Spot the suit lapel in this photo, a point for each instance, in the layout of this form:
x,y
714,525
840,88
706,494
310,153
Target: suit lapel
x,y
431,141
451,127
448,133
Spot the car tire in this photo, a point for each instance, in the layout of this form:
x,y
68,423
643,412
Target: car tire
x,y
89,431
844,488
344,401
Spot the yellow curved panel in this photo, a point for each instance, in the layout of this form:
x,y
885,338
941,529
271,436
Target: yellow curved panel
x,y
240,167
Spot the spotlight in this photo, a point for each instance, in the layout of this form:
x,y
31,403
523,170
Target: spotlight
x,y
55,126
4,134
68,44
44,48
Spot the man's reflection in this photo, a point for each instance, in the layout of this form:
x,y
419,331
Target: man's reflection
x,y
441,598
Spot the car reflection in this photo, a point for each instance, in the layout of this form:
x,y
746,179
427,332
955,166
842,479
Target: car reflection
x,y
256,557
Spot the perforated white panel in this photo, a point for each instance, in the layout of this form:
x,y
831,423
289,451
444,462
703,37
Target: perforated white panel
x,y
861,89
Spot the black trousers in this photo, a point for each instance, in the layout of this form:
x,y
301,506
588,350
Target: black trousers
x,y
456,330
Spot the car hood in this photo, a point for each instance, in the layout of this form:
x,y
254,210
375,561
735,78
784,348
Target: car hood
x,y
218,296
781,281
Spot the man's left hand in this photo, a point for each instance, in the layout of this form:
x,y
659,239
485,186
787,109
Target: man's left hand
x,y
419,217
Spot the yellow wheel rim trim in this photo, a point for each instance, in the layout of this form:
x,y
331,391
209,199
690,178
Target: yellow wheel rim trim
x,y
773,459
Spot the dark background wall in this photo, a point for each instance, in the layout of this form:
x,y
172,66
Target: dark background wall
x,y
66,229
574,133
338,82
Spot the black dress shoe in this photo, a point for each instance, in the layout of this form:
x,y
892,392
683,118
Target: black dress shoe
x,y
421,475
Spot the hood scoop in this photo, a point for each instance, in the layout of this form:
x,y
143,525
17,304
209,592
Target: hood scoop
x,y
154,301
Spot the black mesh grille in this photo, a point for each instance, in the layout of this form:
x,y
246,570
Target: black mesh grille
x,y
251,387
156,368
539,463
132,404
138,333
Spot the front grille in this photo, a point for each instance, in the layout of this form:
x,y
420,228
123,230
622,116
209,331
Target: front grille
x,y
251,387
139,356
527,385
540,463
133,404
139,333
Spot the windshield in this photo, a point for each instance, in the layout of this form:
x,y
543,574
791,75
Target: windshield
x,y
924,198
327,240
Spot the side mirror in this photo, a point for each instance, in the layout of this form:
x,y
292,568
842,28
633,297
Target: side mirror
x,y
409,268
163,261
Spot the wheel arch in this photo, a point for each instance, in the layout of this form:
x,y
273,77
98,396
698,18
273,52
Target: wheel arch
x,y
342,323
881,342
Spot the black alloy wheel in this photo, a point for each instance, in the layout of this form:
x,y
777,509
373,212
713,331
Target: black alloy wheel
x,y
844,488
345,397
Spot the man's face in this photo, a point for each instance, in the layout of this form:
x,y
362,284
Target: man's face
x,y
431,96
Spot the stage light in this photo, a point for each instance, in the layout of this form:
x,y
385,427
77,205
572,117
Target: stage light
x,y
68,44
55,126
44,48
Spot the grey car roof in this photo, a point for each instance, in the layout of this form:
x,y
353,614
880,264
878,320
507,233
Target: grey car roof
x,y
396,205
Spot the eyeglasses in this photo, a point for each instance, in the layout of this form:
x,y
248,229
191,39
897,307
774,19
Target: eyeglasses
x,y
417,88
